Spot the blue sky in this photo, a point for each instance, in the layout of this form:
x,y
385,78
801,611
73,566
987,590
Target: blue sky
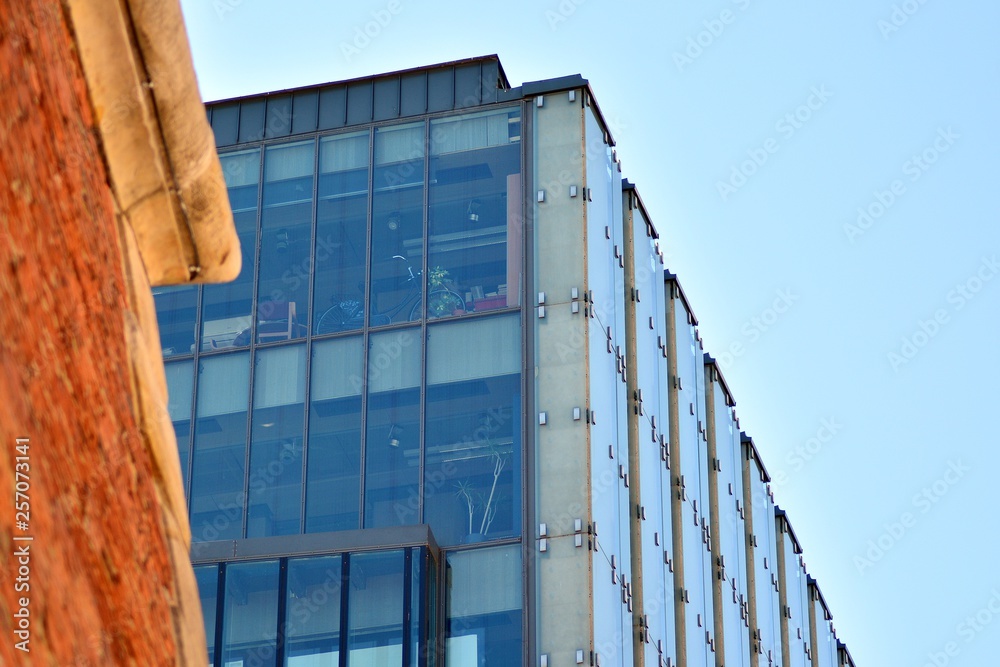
x,y
755,131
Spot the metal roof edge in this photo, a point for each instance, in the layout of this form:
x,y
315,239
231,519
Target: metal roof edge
x,y
765,475
672,277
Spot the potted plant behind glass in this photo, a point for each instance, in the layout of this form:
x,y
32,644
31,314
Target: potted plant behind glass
x,y
478,503
442,300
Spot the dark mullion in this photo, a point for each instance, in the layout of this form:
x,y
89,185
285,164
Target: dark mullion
x,y
280,644
407,601
528,325
309,338
423,327
220,613
345,589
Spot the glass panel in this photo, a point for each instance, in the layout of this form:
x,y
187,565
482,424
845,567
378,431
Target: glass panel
x,y
474,216
220,441
333,487
392,442
207,577
484,607
274,498
285,241
472,473
250,620
418,599
312,616
176,310
226,307
180,384
397,223
341,233
375,610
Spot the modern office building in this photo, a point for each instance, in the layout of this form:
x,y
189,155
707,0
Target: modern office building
x,y
455,411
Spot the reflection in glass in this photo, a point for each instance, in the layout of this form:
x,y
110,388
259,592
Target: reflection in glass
x,y
375,617
333,488
226,307
392,449
341,233
274,493
312,612
472,433
180,383
474,216
176,310
484,607
250,619
285,241
207,577
397,222
220,441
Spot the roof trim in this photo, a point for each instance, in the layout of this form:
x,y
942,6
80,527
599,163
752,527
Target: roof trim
x,y
371,77
764,475
711,361
782,515
672,278
630,186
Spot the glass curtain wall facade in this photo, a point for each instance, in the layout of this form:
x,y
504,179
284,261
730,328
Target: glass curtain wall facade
x,y
454,412
363,371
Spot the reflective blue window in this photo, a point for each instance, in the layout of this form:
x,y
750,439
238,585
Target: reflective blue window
x,y
180,384
220,443
473,449
333,489
397,224
274,490
312,612
225,308
375,620
484,607
474,215
392,444
207,577
250,617
176,311
341,233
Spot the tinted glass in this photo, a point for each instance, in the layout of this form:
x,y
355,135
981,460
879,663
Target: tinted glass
x,y
207,577
220,441
312,612
176,311
484,607
274,492
286,241
250,620
333,489
474,219
180,382
397,223
226,307
341,233
392,445
375,610
473,449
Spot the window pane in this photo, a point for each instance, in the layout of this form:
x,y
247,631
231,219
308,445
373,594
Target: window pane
x,y
375,610
286,241
180,384
250,621
274,498
207,577
472,488
392,444
484,607
397,223
176,308
341,233
333,491
226,307
474,216
220,441
312,616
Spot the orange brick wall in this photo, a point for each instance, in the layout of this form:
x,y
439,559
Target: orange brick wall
x,y
101,579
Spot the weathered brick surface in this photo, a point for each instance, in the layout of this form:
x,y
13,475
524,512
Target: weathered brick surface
x,y
101,577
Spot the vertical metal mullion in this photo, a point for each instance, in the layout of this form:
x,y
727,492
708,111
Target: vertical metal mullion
x,y
280,643
407,604
345,589
365,332
253,341
195,362
309,331
220,613
422,421
528,324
